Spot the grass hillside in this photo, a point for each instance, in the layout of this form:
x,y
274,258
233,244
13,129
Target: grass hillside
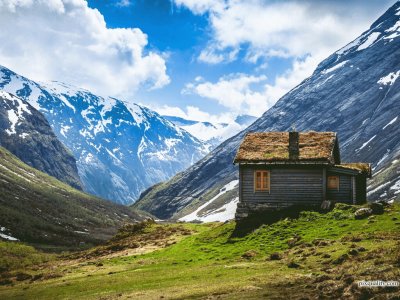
x,y
309,256
39,209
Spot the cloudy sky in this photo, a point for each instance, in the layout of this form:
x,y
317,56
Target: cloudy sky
x,y
199,59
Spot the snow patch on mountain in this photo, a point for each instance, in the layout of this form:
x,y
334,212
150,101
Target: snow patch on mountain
x,y
390,123
396,187
370,40
389,79
6,236
348,46
339,65
221,214
16,113
384,157
366,143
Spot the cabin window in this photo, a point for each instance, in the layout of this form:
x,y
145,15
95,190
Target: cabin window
x,y
261,180
333,182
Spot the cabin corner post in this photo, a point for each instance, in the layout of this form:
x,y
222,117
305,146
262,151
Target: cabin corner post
x,y
323,184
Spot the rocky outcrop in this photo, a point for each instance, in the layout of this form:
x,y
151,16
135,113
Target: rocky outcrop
x,y
26,133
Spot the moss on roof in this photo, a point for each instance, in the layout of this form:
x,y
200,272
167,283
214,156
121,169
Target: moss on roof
x,y
274,146
363,168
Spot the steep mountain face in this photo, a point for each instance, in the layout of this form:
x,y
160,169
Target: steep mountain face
x,y
26,133
37,208
121,148
355,92
212,133
245,119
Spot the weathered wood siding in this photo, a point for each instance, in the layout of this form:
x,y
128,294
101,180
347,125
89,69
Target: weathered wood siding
x,y
288,186
361,189
344,194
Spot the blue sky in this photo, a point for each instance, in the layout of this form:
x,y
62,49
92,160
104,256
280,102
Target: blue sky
x,y
205,59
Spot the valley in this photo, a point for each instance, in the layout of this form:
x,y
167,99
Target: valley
x,y
120,124
309,255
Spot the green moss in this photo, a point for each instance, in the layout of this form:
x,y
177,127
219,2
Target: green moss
x,y
16,256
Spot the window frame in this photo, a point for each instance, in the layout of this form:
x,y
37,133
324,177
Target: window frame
x,y
337,182
262,188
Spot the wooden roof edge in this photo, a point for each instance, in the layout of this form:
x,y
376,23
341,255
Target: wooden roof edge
x,y
360,167
335,142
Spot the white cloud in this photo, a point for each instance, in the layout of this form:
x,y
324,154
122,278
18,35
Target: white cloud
x,y
211,55
304,31
225,125
193,113
202,6
123,3
66,40
280,28
248,94
234,92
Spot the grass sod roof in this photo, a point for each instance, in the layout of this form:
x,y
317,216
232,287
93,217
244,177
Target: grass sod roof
x,y
274,147
363,168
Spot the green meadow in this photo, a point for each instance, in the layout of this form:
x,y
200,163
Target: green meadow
x,y
306,256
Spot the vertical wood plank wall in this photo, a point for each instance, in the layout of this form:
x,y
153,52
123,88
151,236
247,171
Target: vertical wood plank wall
x,y
324,184
288,186
240,185
344,194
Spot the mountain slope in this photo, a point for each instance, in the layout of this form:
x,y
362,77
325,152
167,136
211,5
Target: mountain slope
x,y
121,148
37,208
26,133
355,92
213,133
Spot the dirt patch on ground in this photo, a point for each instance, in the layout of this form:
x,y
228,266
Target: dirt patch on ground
x,y
135,239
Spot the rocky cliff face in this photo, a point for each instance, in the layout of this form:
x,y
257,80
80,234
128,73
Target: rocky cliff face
x,y
355,92
26,133
121,148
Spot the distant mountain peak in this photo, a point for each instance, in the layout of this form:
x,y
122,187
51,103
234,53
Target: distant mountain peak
x,y
121,147
212,133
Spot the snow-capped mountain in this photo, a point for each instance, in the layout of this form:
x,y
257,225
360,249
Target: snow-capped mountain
x,y
213,133
355,92
26,133
121,148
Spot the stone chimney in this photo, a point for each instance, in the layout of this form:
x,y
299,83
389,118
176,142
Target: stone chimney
x,y
293,145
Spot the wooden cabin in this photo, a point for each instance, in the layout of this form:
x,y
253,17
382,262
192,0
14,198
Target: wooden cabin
x,y
282,169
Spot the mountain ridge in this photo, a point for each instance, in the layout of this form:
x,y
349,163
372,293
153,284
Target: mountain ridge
x,y
212,133
121,148
26,133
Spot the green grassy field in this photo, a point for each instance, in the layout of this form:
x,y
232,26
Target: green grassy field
x,y
311,256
